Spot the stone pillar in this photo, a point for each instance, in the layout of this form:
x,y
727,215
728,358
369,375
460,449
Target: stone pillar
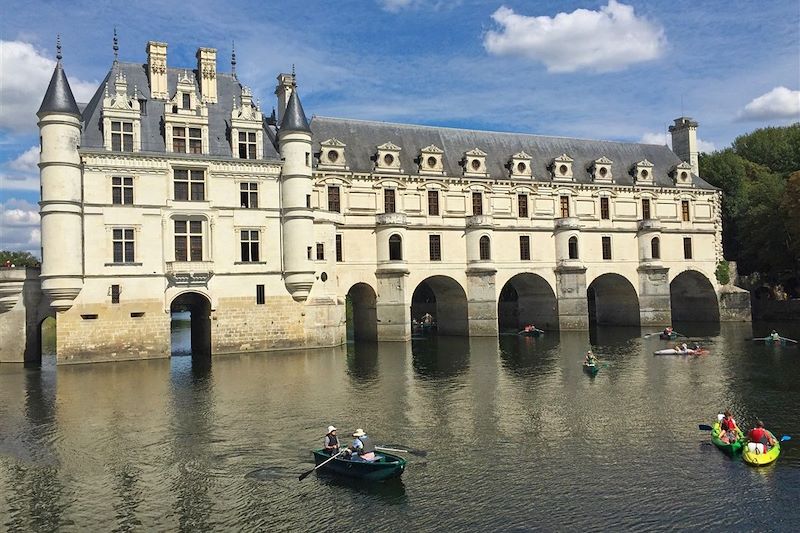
x,y
481,302
654,297
734,304
394,316
573,308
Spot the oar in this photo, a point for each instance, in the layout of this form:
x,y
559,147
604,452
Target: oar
x,y
784,438
704,427
788,340
419,453
648,335
305,474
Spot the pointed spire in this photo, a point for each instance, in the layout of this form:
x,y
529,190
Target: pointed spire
x,y
58,98
294,118
233,59
116,47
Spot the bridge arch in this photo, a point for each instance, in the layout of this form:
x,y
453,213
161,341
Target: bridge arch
x,y
362,316
190,325
445,300
613,301
693,298
527,298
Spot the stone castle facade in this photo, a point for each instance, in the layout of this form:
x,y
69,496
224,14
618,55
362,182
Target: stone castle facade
x,y
171,190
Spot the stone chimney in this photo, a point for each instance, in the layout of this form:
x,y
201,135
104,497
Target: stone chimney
x,y
684,141
283,91
157,69
207,74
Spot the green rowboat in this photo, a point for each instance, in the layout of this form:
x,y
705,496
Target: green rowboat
x,y
386,466
591,368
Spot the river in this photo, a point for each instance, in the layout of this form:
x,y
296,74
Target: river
x,y
518,437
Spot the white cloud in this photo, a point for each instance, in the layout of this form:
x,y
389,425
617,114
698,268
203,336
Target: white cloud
x,y
780,102
24,75
22,172
606,40
27,162
666,139
395,6
20,222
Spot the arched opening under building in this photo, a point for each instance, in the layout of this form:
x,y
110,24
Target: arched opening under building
x,y
362,317
190,325
443,300
692,298
47,342
527,299
613,301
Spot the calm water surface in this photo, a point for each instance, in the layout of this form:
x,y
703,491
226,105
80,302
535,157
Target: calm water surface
x,y
519,438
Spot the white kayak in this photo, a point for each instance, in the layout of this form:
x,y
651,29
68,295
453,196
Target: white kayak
x,y
673,351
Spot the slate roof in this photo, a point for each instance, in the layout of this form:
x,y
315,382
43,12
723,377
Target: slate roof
x,y
59,98
294,118
219,114
363,137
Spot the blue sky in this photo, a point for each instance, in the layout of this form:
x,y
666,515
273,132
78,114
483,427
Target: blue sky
x,y
604,69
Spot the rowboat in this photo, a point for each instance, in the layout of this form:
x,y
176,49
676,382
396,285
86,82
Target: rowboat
x,y
761,459
531,333
591,368
668,337
783,341
386,466
673,351
730,448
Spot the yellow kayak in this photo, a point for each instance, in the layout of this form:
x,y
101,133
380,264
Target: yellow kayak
x,y
761,459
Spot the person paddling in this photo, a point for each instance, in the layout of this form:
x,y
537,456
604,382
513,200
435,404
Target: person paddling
x,y
668,331
362,447
759,435
729,431
331,444
590,358
774,336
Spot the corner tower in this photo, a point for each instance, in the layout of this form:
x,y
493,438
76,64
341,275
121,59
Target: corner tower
x,y
294,141
60,207
684,141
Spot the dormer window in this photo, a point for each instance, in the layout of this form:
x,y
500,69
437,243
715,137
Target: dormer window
x,y
682,174
562,167
520,165
121,136
187,101
247,133
643,172
601,170
332,153
474,163
247,145
387,158
121,118
430,160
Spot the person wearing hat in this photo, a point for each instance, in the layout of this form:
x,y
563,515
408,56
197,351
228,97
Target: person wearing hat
x,y
331,444
362,446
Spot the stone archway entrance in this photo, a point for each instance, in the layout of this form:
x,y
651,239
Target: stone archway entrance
x,y
692,298
362,318
190,327
613,301
445,300
527,299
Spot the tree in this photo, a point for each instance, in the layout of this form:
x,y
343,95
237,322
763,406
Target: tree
x,y
777,148
791,207
20,259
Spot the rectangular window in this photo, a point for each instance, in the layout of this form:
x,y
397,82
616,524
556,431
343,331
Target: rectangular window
x,y
477,203
115,294
435,247
186,101
247,145
524,247
195,141
334,203
122,136
123,245
522,200
339,250
260,297
121,190
190,184
248,195
179,140
606,247
685,210
433,203
564,206
687,247
188,240
604,211
645,209
320,251
388,201
249,243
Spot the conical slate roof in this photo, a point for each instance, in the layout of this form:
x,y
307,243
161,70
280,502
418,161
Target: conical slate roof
x,y
294,118
59,98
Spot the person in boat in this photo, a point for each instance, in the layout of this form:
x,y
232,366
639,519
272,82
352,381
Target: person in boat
x,y
728,430
590,358
427,319
759,435
331,443
668,331
362,448
774,336
530,328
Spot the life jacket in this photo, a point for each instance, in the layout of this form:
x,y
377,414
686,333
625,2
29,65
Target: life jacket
x,y
758,435
366,446
728,424
331,440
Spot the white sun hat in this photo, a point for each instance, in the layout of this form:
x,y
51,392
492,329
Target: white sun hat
x,y
331,428
359,433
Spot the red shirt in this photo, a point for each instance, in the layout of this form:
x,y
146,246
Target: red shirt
x,y
728,424
757,435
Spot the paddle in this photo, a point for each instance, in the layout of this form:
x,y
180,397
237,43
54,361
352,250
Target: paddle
x,y
787,339
305,474
418,453
704,427
784,438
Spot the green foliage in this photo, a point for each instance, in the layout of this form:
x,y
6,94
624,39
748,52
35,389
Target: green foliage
x,y
775,148
20,259
723,272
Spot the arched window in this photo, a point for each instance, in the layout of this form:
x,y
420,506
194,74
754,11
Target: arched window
x,y
573,247
485,249
655,248
395,248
